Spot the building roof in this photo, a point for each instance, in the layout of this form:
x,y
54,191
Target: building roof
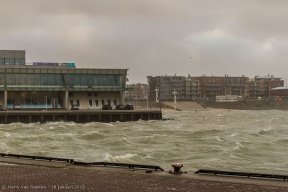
x,y
267,77
279,88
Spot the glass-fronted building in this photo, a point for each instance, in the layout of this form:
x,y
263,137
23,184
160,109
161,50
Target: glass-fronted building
x,y
53,85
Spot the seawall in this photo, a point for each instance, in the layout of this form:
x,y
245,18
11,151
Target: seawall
x,y
81,116
247,105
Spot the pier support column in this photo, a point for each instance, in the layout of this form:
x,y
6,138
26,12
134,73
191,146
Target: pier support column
x,y
66,101
5,101
42,119
122,97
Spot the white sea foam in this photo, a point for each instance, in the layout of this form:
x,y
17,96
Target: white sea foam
x,y
108,124
218,138
118,158
270,120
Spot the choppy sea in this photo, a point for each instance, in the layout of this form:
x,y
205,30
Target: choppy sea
x,y
248,141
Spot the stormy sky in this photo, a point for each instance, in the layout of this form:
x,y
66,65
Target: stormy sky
x,y
152,37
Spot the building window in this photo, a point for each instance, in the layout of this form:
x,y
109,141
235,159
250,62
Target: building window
x,y
95,94
70,94
102,102
109,103
95,80
9,61
71,103
96,103
2,61
35,79
90,103
78,103
115,103
89,94
17,61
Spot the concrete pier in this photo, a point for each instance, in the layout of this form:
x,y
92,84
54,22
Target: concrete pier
x,y
38,175
77,116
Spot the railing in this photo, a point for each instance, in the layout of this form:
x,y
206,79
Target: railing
x,y
242,174
105,164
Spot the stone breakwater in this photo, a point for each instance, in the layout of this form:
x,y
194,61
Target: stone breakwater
x,y
247,105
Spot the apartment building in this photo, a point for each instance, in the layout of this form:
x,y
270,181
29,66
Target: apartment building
x,y
236,85
207,87
165,85
269,82
256,88
192,88
210,86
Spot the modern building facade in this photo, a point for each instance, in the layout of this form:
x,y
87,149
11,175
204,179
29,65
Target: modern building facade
x,y
12,57
47,85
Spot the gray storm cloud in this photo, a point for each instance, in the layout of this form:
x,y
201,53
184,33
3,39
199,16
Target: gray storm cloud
x,y
152,37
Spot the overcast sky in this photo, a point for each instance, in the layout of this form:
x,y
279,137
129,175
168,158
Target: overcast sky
x,y
152,37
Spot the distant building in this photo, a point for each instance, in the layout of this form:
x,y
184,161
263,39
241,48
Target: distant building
x,y
219,85
279,92
192,89
208,87
260,86
165,85
140,91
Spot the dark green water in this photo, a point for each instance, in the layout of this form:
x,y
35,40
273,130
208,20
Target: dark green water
x,y
252,141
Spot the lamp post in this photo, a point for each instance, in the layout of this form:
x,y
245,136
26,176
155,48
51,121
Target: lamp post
x,y
174,92
46,102
212,95
255,91
147,101
136,100
269,91
156,90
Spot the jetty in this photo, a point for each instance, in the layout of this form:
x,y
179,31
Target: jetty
x,y
28,173
78,116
